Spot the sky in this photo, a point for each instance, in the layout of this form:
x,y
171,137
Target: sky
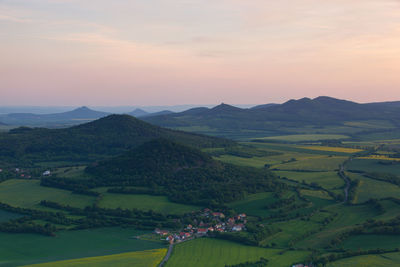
x,y
170,52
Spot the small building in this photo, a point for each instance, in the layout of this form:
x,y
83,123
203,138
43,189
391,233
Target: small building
x,y
1,170
231,220
237,227
202,231
47,173
161,232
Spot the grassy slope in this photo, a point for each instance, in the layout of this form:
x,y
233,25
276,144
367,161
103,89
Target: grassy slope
x,y
29,193
327,180
217,253
144,202
369,188
384,260
370,165
20,249
315,164
146,258
304,137
372,242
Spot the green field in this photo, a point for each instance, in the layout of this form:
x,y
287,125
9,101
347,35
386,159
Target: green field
x,y
371,165
259,162
146,258
22,249
312,164
254,204
347,217
370,188
144,202
328,180
217,253
383,260
71,172
367,242
29,193
304,137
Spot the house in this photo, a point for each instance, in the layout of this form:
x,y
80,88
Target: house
x,y
189,226
237,227
161,232
242,215
202,231
1,170
47,173
210,229
231,220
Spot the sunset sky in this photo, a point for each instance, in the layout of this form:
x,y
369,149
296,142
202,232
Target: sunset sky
x,y
167,52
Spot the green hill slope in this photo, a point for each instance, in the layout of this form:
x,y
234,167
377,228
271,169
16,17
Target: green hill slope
x,y
183,174
105,137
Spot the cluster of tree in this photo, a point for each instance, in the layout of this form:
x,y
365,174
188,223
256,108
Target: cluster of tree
x,y
353,189
262,262
184,174
375,204
281,203
76,186
136,191
101,217
24,225
243,152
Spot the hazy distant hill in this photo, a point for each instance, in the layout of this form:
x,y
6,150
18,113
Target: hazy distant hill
x,y
107,136
76,116
159,113
279,118
138,113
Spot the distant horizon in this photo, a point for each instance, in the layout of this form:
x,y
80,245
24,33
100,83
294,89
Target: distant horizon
x,y
43,109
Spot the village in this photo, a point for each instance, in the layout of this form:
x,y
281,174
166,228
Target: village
x,y
217,222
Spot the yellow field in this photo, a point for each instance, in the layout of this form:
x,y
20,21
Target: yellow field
x,y
380,157
332,149
146,258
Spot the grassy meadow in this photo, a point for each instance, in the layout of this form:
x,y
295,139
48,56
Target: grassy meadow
x,y
304,137
145,258
144,202
218,253
28,194
24,249
381,260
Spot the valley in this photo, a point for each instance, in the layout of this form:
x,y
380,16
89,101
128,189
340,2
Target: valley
x,y
319,199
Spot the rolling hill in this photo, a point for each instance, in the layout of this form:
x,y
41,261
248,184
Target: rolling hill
x,y
283,118
111,135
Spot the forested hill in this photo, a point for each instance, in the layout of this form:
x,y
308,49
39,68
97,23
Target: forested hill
x,y
183,174
294,113
112,135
